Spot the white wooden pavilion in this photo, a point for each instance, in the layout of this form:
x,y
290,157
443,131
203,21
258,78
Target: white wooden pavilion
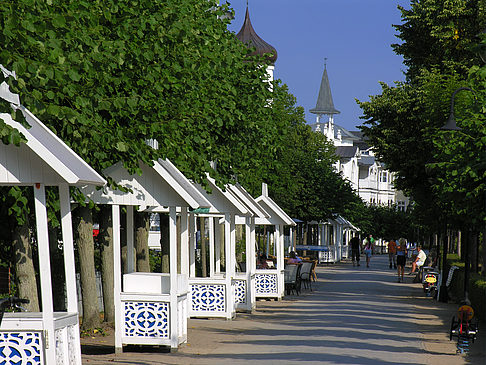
x,y
221,293
45,337
269,283
151,308
334,235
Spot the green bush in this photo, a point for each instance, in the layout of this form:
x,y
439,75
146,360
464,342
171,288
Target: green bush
x,y
477,295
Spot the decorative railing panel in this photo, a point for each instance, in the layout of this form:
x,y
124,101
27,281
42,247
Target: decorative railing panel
x,y
21,348
239,290
266,284
208,297
146,319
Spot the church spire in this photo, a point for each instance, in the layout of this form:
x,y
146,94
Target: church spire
x,y
324,104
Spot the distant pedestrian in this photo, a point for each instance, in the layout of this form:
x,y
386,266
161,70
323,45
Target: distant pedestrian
x,y
355,249
392,251
401,258
368,250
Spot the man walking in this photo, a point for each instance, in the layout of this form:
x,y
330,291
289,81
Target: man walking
x,y
355,249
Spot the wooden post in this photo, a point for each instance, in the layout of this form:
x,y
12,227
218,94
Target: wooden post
x,y
45,273
69,266
173,277
192,245
185,241
211,246
117,287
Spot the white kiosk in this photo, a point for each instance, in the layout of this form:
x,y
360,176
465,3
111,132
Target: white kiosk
x,y
151,308
46,337
269,283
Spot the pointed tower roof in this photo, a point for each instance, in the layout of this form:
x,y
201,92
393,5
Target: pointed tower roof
x,y
324,104
248,36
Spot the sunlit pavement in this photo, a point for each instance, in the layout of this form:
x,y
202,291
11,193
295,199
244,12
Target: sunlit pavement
x,y
355,315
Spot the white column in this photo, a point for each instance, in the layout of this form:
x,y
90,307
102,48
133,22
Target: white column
x,y
192,245
280,260
69,266
229,270
211,246
217,246
173,277
250,262
117,288
185,241
130,239
45,271
68,245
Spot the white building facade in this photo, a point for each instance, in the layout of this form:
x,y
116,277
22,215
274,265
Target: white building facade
x,y
357,162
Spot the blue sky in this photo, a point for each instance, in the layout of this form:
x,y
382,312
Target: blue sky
x,y
354,35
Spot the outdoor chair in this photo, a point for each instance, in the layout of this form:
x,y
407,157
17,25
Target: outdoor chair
x,y
292,278
306,274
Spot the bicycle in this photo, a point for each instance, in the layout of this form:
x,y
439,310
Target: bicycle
x,y
465,327
11,302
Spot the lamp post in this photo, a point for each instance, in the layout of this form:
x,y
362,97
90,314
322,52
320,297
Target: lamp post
x,y
452,126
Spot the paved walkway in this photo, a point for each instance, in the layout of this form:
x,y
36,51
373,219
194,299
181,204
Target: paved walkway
x,y
354,316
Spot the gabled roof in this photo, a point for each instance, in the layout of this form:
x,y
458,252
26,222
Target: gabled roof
x,y
277,214
45,158
248,201
222,201
157,186
324,104
248,36
347,151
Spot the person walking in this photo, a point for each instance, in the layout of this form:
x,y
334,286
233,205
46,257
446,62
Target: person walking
x,y
392,251
368,250
401,258
355,249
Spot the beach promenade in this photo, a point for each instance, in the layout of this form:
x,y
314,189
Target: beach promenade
x,y
355,315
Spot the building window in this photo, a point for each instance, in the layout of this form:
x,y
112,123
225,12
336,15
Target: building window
x,y
401,206
384,176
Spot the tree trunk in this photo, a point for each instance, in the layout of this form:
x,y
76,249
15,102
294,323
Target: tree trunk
x,y
483,264
142,224
164,242
202,222
459,241
85,243
58,276
473,250
105,238
24,267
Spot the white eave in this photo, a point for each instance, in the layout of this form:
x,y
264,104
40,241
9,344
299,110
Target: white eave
x,y
44,158
250,203
222,201
158,186
278,215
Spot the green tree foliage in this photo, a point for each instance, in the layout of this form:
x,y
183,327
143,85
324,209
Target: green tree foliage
x,y
107,75
403,121
461,155
438,33
302,179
